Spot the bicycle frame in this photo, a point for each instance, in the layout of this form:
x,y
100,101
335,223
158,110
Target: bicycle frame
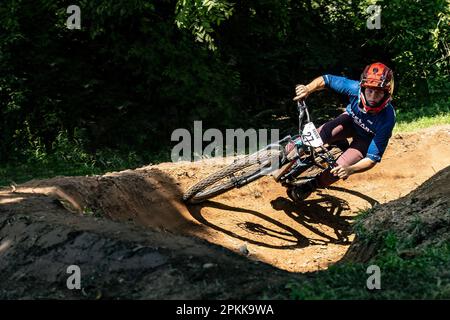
x,y
297,164
294,165
287,160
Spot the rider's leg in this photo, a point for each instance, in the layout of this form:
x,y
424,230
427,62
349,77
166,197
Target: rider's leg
x,y
334,130
337,129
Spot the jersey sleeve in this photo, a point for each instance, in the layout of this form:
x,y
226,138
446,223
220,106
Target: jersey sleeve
x,y
379,143
342,85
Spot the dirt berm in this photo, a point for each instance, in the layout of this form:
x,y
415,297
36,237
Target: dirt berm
x,y
421,219
132,237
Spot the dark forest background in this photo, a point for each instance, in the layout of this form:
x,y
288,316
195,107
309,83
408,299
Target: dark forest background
x,y
110,95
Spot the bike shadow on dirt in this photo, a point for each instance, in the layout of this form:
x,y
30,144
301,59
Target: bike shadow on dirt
x,y
325,211
289,234
370,200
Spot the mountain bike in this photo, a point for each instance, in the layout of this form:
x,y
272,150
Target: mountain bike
x,y
292,160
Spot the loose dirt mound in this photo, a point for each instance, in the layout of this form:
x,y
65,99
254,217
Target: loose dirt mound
x,y
258,218
421,219
39,241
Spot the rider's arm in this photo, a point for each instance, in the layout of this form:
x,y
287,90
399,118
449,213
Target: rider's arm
x,y
361,166
316,85
380,141
342,85
339,84
303,91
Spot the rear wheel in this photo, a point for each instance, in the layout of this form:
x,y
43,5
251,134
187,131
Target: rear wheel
x,y
227,178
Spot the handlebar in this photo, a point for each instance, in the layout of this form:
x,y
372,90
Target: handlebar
x,y
301,104
302,109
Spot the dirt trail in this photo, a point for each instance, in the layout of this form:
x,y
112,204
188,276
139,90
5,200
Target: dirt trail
x,y
39,240
258,216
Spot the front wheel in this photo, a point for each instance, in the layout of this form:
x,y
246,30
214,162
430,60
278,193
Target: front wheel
x,y
239,173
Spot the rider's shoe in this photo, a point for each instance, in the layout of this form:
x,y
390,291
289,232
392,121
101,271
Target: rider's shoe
x,y
300,192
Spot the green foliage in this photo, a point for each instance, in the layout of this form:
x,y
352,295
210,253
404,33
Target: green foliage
x,y
413,119
423,122
201,16
139,69
89,212
416,34
422,275
358,226
69,158
128,74
406,271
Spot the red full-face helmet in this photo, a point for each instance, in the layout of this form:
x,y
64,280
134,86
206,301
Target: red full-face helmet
x,y
377,76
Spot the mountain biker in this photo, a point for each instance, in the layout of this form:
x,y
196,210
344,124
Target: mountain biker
x,y
369,119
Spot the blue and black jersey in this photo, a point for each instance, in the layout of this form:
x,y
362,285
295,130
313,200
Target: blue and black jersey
x,y
377,127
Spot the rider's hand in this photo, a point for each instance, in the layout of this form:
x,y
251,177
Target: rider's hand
x,y
342,172
301,92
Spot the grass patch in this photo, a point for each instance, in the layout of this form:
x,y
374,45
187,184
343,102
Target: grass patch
x,y
422,123
69,158
415,119
53,165
422,276
406,272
